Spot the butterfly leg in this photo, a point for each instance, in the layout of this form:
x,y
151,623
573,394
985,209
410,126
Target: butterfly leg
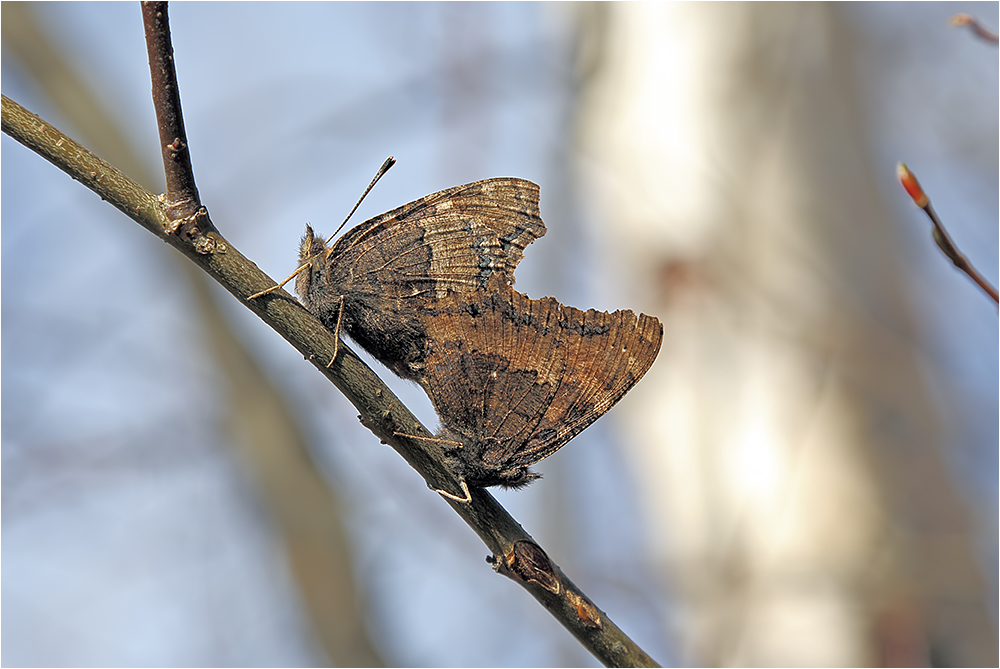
x,y
276,287
461,500
457,444
336,333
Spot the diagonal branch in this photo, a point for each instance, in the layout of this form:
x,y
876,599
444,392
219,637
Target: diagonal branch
x,y
516,554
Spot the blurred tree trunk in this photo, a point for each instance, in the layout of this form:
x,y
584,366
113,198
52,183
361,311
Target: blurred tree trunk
x,y
260,425
785,443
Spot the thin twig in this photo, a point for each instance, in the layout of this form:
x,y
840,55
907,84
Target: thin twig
x,y
941,236
975,25
515,553
948,247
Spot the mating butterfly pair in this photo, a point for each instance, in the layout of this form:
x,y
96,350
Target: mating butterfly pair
x,y
427,290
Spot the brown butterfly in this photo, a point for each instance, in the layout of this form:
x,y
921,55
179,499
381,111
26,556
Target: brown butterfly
x,y
370,281
513,379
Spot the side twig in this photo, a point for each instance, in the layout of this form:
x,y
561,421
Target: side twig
x,y
941,237
182,194
973,23
515,553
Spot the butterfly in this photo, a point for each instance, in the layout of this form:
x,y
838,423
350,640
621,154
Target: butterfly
x,y
514,379
370,281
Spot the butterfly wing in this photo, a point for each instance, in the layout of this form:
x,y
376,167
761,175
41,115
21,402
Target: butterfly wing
x,y
451,240
478,381
518,378
607,354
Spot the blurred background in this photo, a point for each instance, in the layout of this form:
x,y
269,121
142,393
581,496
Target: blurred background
x,y
807,475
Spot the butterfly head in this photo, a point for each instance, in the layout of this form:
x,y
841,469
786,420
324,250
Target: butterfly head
x,y
312,261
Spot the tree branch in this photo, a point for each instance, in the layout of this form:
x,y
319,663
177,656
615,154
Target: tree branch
x,y
516,555
182,193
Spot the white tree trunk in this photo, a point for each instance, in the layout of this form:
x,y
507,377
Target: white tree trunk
x,y
784,438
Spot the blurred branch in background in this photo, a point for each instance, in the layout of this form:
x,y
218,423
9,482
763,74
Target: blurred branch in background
x,y
975,26
303,508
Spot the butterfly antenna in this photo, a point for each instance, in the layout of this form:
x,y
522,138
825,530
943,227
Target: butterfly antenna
x,y
389,162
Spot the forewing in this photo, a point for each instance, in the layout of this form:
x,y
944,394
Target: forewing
x,y
451,240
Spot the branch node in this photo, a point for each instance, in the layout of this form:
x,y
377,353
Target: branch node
x,y
526,561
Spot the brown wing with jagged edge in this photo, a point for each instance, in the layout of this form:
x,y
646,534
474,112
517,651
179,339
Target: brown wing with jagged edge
x,y
521,377
451,240
491,373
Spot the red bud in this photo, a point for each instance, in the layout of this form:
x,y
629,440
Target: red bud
x,y
911,185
